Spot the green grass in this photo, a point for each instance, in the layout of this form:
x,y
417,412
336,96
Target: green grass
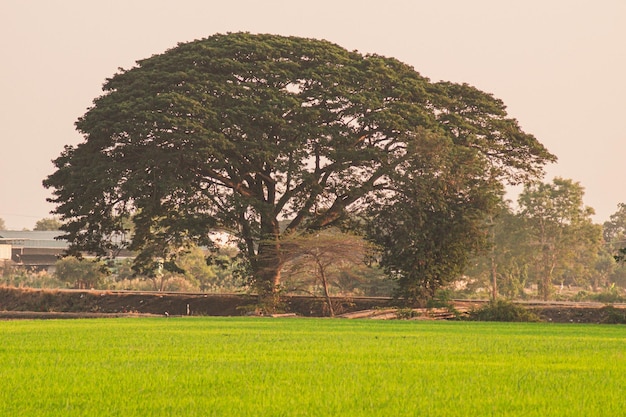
x,y
309,367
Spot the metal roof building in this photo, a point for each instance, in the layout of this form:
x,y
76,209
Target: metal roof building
x,y
37,250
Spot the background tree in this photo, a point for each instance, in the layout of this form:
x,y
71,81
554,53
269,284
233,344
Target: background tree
x,y
196,268
225,263
605,271
364,279
2,224
121,269
614,233
48,223
237,132
505,260
80,273
614,230
562,238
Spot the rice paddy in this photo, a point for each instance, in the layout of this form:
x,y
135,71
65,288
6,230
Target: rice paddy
x,y
309,367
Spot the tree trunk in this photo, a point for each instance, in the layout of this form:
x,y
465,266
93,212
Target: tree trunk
x,y
494,276
267,266
545,287
331,311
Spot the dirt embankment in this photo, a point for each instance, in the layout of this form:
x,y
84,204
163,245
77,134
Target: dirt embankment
x,y
33,303
55,303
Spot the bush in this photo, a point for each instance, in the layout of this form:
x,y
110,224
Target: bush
x,y
614,315
581,295
501,310
23,278
610,295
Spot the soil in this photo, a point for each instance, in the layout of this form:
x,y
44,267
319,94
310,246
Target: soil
x,y
19,302
36,303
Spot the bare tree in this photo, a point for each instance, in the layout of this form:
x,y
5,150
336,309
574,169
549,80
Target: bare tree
x,y
316,260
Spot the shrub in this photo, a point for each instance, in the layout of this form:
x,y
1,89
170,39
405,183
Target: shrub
x,y
614,315
581,295
501,310
610,295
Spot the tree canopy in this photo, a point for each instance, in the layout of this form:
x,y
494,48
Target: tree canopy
x,y
551,239
561,234
48,223
239,132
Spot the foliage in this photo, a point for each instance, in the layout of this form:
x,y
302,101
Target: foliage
x,y
13,276
614,315
209,271
48,223
505,259
434,222
562,239
501,310
442,299
121,269
406,313
237,132
614,230
611,294
308,367
80,273
605,270
549,240
2,224
573,251
203,271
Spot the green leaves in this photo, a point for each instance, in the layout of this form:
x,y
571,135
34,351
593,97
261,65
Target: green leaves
x,y
434,220
560,232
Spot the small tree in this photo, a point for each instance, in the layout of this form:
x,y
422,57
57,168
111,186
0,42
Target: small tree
x,y
317,259
2,224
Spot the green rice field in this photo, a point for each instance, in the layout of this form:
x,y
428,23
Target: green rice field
x,y
309,367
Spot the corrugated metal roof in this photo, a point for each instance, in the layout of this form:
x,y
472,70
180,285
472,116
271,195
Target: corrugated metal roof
x,y
33,239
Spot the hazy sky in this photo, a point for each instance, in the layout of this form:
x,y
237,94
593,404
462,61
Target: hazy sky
x,y
559,66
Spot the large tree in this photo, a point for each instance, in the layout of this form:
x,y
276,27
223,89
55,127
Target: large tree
x,y
237,132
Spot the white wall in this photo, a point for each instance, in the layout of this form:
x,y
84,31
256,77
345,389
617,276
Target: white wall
x,y
5,251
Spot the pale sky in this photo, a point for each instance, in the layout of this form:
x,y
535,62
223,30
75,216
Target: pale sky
x,y
559,66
